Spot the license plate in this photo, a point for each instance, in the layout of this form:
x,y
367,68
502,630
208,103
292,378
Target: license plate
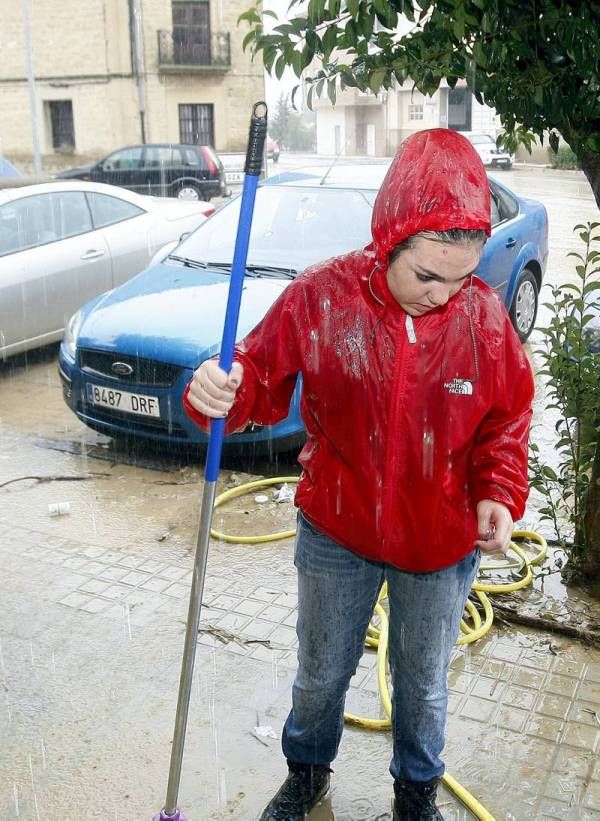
x,y
123,400
234,176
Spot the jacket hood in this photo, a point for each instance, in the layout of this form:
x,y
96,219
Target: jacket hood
x,y
435,182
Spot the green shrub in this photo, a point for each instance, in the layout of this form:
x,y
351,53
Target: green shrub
x,y
571,370
563,158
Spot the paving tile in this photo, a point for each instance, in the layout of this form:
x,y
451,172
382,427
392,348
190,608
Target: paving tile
x,y
262,653
116,592
461,682
258,629
291,620
93,567
569,666
135,578
113,572
289,600
94,586
568,789
156,584
585,712
511,718
249,607
574,762
544,727
226,602
562,685
478,708
592,672
150,566
529,678
75,599
266,594
96,606
132,561
284,636
505,652
590,691
519,696
454,702
173,572
274,613
536,661
490,688
581,735
76,562
235,623
178,591
496,669
591,798
552,705
553,810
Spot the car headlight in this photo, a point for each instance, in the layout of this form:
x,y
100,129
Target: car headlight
x,y
71,333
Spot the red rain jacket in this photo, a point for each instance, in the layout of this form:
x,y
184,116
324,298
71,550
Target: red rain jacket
x,y
408,428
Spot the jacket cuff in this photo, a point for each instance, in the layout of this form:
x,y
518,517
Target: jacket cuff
x,y
238,416
496,493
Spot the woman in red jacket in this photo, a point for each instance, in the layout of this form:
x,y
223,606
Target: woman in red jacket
x,y
417,403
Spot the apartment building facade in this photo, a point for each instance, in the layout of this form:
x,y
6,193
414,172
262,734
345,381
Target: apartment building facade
x,y
366,124
109,73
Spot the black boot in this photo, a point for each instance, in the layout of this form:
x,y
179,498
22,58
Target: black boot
x,y
301,790
415,800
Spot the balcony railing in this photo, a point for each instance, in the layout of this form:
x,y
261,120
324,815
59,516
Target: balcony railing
x,y
192,48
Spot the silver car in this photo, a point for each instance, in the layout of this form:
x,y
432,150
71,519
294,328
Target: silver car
x,y
62,243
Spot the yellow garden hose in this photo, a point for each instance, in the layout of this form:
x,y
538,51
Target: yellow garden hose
x,y
472,626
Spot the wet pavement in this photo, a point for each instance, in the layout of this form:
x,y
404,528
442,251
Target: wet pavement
x,y
92,625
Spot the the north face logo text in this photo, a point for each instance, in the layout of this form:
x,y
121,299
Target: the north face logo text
x,y
462,386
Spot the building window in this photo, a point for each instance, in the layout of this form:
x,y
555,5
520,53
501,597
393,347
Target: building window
x,y
196,124
459,109
60,117
191,33
415,111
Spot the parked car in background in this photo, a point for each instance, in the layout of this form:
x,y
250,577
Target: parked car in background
x,y
188,172
8,170
62,243
490,154
127,356
272,149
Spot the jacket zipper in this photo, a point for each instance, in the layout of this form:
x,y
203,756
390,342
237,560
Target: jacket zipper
x,y
406,342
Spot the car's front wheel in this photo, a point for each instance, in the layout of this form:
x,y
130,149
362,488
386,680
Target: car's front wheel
x,y
188,191
523,309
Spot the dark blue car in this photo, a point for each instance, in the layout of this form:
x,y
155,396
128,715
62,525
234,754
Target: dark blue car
x,y
127,356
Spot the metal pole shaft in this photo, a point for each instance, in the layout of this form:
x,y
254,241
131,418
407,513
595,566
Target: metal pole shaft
x,y
189,651
37,156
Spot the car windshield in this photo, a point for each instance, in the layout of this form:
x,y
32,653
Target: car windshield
x,y
292,228
482,139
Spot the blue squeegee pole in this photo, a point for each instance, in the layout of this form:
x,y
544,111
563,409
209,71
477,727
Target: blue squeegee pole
x,y
254,158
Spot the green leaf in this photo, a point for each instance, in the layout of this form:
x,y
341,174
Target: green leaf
x,y
331,91
376,79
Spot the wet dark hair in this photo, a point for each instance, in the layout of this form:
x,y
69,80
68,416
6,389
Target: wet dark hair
x,y
454,236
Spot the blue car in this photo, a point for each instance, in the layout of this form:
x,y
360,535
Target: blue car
x,y
127,356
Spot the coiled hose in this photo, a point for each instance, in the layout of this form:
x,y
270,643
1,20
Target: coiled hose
x,y
473,626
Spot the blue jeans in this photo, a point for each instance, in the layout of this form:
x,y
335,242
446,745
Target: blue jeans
x,y
337,591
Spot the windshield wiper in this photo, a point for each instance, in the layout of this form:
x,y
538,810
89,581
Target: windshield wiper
x,y
251,270
272,270
194,263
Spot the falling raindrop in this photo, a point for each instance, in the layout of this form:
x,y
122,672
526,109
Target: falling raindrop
x,y
428,448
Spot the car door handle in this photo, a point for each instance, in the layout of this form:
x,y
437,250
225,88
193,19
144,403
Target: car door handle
x,y
93,253
511,242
